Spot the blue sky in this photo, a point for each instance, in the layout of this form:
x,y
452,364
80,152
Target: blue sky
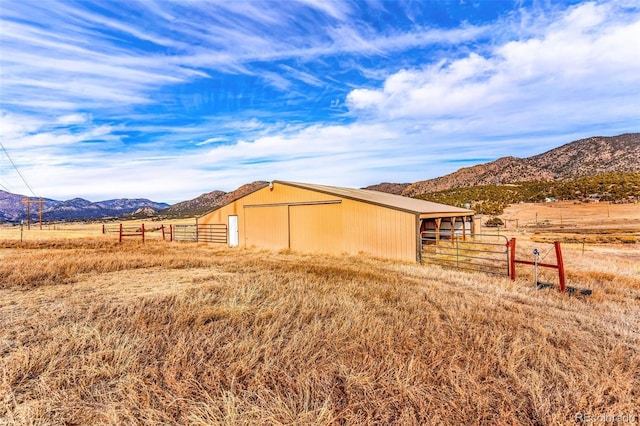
x,y
170,99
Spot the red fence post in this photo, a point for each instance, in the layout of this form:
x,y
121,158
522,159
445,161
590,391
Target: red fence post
x,y
103,230
512,258
170,232
120,232
162,227
560,265
143,232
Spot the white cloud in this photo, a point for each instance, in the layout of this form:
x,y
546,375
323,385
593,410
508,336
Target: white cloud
x,y
79,118
212,140
545,80
336,9
587,58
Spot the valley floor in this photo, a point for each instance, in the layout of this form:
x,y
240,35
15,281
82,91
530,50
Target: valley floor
x,y
96,332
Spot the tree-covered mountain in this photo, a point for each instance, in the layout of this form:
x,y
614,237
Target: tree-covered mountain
x,y
492,199
586,157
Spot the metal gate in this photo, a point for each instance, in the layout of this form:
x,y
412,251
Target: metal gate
x,y
480,252
205,233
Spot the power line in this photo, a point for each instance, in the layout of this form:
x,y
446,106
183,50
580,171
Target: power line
x,y
17,170
5,187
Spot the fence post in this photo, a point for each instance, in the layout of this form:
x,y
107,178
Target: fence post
x,y
143,232
511,245
103,230
560,265
120,232
170,232
162,227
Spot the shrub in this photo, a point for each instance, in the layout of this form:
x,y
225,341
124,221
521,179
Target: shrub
x,y
494,222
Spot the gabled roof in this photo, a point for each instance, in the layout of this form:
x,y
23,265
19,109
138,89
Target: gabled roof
x,y
397,202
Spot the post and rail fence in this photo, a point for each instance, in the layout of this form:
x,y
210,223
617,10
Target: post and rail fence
x,y
138,231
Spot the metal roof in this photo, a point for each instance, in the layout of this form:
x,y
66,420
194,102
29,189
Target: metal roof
x,y
398,202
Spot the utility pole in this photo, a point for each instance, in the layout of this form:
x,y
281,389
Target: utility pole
x,y
28,202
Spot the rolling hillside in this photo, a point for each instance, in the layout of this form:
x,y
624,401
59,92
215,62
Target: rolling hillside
x,y
585,157
493,199
535,178
209,201
569,163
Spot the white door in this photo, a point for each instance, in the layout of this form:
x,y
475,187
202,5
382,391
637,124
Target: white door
x,y
233,231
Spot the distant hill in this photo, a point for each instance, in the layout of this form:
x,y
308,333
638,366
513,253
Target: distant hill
x,y
210,201
194,207
585,157
12,209
595,156
391,188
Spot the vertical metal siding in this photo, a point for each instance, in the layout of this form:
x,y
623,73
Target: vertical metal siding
x,y
266,227
316,228
267,219
378,230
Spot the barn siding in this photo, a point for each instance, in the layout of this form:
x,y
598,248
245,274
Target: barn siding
x,y
317,228
310,221
266,227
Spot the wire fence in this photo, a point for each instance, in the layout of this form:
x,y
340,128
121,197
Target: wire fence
x,y
487,253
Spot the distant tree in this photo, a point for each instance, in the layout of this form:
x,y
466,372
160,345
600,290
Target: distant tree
x,y
494,222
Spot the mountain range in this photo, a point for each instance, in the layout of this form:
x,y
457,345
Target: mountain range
x,y
209,201
12,209
586,157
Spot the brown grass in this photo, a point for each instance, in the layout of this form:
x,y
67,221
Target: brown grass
x,y
574,214
93,332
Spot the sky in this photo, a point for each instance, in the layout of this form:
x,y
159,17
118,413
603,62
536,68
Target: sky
x,y
167,99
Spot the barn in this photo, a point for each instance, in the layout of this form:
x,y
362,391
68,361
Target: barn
x,y
327,219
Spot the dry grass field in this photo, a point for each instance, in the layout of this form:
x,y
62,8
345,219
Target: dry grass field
x,y
73,230
97,332
573,214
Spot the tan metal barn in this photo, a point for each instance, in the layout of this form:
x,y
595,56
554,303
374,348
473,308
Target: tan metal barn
x,y
327,219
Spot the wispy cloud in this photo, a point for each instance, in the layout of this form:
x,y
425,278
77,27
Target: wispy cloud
x,y
194,96
212,141
74,119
